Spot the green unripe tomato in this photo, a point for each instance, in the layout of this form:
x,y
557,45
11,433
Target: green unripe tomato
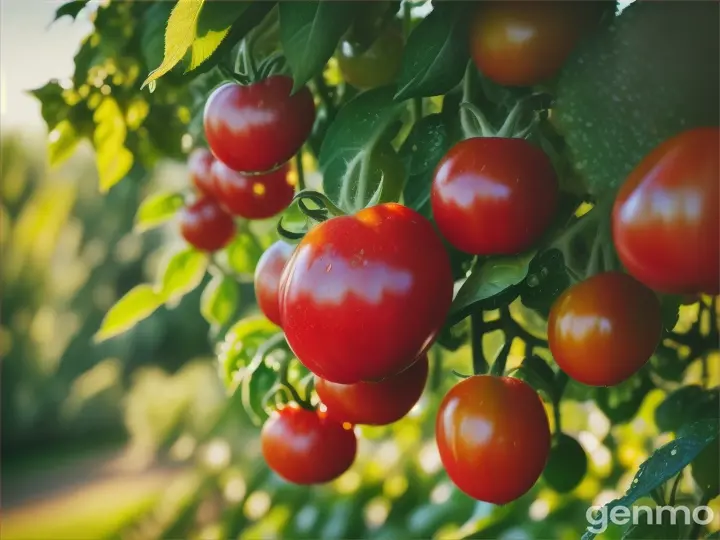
x,y
567,464
375,66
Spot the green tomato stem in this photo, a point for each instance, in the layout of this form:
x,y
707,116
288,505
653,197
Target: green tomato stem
x,y
300,171
498,367
477,329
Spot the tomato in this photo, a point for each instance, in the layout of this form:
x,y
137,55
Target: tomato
x,y
364,295
374,403
603,330
376,65
666,222
267,278
206,226
567,464
252,196
493,436
255,128
525,43
493,196
199,162
307,447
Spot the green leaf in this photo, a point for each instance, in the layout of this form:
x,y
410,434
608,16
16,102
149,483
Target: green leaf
x,y
180,33
138,304
436,53
71,9
219,300
665,463
53,107
547,279
684,405
152,35
670,310
157,209
537,373
309,32
240,345
213,26
243,253
621,403
346,152
113,159
183,272
62,142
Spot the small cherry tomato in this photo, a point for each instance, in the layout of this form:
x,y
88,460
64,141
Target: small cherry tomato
x,y
206,226
255,128
493,436
377,65
526,43
666,221
363,296
267,278
378,403
493,196
252,196
567,465
199,162
604,329
307,447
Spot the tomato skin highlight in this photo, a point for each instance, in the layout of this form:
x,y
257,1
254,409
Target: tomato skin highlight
x,y
206,226
493,436
255,128
364,295
307,447
252,196
666,221
603,330
199,162
267,279
375,66
374,403
494,196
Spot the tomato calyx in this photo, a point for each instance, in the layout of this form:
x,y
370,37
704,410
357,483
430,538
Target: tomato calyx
x,y
324,210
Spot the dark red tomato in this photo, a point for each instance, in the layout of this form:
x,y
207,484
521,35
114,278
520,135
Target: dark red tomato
x,y
666,219
252,196
206,226
525,43
307,447
258,127
374,403
493,437
199,162
364,295
267,278
376,65
603,330
493,196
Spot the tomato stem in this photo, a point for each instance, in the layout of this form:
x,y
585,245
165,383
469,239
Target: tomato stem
x,y
300,171
498,367
477,330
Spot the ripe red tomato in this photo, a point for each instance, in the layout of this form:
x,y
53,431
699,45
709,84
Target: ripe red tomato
x,y
255,128
252,196
526,43
267,278
493,436
307,447
493,196
378,403
364,295
603,330
199,162
666,221
376,65
206,226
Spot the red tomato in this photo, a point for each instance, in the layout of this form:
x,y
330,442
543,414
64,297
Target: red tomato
x,y
378,403
493,196
258,127
199,162
666,221
364,295
603,330
525,43
206,226
307,447
493,437
267,278
252,196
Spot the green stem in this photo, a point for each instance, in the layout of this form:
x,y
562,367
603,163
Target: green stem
x,y
300,170
673,491
417,109
696,527
477,329
558,417
469,124
283,380
498,367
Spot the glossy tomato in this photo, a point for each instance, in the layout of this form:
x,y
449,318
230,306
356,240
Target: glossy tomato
x,y
493,437
374,403
267,278
255,128
364,295
252,196
666,221
377,65
525,43
603,330
206,226
199,162
493,196
307,447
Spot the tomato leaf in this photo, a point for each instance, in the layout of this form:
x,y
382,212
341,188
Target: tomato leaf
x,y
157,209
183,272
670,310
436,53
113,159
70,9
684,405
240,344
213,26
547,279
309,32
537,373
62,142
621,403
243,253
53,107
219,300
137,304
